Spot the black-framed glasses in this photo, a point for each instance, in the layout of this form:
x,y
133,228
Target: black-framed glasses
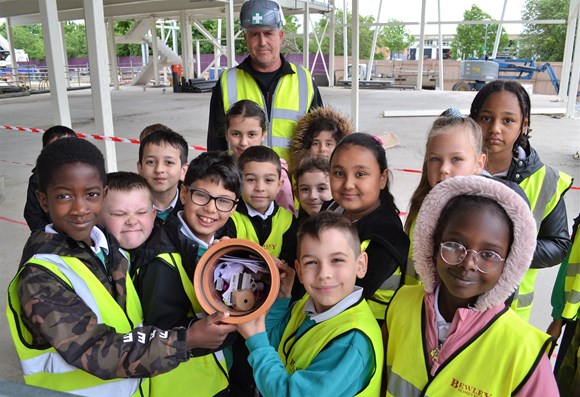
x,y
453,253
200,197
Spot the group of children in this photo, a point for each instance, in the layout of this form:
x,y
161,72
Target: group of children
x,y
112,308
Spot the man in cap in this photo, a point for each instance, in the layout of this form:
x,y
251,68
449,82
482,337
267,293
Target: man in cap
x,y
285,91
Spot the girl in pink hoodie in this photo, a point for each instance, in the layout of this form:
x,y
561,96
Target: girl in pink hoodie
x,y
453,335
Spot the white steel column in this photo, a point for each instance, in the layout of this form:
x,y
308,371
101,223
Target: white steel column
x,y
54,61
575,75
154,51
14,62
568,49
164,40
114,76
65,55
331,45
421,48
97,45
306,36
230,40
498,34
441,81
375,35
355,26
344,40
197,59
185,30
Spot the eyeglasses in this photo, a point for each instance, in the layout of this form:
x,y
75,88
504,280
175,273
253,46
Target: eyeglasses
x,y
223,204
453,253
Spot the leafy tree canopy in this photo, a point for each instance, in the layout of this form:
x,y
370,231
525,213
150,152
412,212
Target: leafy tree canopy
x,y
366,35
396,37
544,42
476,40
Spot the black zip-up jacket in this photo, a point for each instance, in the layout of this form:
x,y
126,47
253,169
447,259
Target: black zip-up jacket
x,y
216,139
553,240
388,248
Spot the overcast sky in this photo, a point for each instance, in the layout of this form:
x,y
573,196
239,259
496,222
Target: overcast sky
x,y
451,10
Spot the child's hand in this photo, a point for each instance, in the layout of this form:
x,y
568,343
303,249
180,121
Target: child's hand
x,y
287,275
209,332
253,327
219,240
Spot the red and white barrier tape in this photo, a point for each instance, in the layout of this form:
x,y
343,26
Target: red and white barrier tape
x,y
136,142
90,136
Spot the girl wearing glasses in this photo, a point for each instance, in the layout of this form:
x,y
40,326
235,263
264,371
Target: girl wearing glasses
x,y
454,335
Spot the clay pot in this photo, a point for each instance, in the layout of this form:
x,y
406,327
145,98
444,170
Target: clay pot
x,y
211,300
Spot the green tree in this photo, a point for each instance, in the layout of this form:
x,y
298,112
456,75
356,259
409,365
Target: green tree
x,y
366,35
544,42
396,37
476,40
121,28
76,39
28,38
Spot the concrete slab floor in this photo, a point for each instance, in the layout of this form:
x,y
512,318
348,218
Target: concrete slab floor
x,y
555,138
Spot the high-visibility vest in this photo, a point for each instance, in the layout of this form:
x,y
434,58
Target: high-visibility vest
x,y
290,101
497,362
43,366
200,376
382,296
298,352
281,222
543,188
411,276
572,281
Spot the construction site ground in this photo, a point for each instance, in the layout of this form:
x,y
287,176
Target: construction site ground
x,y
555,137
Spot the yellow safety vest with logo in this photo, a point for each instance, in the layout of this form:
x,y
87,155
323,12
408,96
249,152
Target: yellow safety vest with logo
x,y
411,276
44,367
281,222
572,283
543,188
201,376
496,363
290,101
297,354
382,296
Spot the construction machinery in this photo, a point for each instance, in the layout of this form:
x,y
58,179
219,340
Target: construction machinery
x,y
475,73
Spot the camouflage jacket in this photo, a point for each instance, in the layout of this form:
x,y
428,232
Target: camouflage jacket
x,y
57,317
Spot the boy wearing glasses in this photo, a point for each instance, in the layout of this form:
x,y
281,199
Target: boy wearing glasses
x,y
209,194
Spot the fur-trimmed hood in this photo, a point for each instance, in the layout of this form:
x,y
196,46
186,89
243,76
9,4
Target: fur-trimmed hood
x,y
522,249
303,131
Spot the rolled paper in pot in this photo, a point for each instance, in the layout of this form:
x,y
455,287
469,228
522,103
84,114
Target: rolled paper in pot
x,y
245,307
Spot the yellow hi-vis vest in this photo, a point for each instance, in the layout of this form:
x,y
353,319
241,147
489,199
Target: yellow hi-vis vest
x,y
411,276
297,354
290,101
281,222
543,188
382,296
200,376
496,363
572,281
44,367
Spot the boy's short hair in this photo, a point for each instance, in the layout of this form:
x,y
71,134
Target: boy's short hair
x,y
150,129
67,151
325,220
312,164
55,132
168,137
261,154
215,167
125,181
